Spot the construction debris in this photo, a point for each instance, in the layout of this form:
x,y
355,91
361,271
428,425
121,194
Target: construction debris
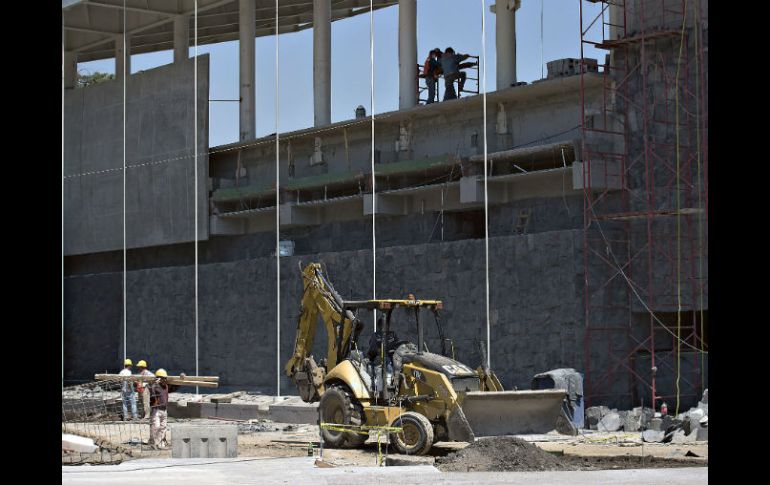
x,y
610,422
686,427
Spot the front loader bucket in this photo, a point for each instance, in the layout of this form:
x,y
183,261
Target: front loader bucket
x,y
513,412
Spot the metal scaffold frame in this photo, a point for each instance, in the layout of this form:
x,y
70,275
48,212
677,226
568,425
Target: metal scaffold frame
x,y
645,168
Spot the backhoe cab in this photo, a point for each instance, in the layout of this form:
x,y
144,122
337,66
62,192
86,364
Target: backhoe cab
x,y
398,383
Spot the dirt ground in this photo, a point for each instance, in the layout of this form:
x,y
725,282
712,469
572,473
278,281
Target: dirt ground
x,y
590,451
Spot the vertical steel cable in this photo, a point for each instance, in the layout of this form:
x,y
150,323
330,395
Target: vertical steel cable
x,y
486,198
277,221
195,191
374,191
64,60
125,290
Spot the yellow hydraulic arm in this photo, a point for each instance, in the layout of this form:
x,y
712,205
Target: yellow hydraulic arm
x,y
319,299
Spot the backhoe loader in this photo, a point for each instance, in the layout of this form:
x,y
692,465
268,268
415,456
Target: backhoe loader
x,y
398,384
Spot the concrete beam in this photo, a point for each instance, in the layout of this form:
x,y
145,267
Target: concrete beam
x,y
386,204
70,69
407,53
472,191
226,226
247,26
291,215
505,41
121,57
322,65
181,38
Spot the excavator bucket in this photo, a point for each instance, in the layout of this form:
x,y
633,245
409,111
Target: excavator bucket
x,y
512,412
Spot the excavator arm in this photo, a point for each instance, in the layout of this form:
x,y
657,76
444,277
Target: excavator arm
x,y
320,299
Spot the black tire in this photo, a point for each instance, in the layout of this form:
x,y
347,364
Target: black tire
x,y
339,406
417,435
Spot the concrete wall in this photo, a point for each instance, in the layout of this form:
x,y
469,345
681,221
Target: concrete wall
x,y
160,131
545,214
536,301
546,112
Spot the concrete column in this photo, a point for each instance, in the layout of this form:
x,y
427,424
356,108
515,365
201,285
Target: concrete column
x,y
247,30
505,42
119,58
407,53
322,62
181,38
616,21
70,69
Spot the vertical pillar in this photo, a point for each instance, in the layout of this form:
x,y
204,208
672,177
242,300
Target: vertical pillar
x,y
119,56
181,38
247,30
407,53
322,65
70,69
616,21
505,41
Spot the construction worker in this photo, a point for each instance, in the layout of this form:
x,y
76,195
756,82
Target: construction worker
x,y
127,391
159,401
143,387
432,70
450,64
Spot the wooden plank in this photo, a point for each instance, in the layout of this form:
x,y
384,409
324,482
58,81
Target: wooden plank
x,y
135,377
179,382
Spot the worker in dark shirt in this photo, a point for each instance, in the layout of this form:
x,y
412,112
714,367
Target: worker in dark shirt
x,y
450,64
159,402
432,70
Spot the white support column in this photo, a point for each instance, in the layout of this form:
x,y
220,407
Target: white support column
x,y
181,38
322,62
407,53
505,41
616,21
119,58
70,69
247,30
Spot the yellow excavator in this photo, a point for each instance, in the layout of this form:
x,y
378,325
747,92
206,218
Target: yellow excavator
x,y
398,384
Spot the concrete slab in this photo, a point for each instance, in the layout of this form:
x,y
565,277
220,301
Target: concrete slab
x,y
229,411
302,471
294,411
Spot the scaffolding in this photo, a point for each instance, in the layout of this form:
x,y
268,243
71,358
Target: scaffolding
x,y
645,168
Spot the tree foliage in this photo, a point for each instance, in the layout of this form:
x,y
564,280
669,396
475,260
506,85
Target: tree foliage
x,y
97,77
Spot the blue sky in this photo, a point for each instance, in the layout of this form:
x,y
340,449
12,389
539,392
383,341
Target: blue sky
x,y
440,23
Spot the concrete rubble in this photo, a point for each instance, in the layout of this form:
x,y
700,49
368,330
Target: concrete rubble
x,y
687,427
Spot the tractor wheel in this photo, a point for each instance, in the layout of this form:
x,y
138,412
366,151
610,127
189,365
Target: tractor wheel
x,y
416,436
339,406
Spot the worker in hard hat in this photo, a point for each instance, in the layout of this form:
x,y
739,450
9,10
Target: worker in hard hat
x,y
159,402
143,387
127,391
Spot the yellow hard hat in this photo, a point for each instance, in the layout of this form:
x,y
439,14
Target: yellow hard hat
x,y
161,373
128,362
141,363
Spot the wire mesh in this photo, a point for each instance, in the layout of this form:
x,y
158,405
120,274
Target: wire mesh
x,y
95,410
